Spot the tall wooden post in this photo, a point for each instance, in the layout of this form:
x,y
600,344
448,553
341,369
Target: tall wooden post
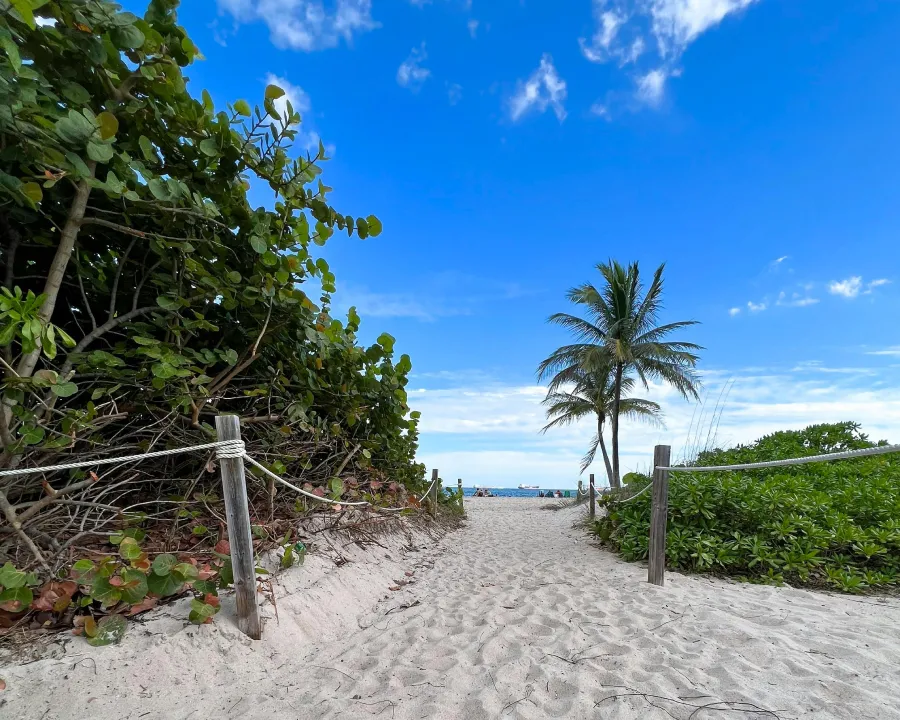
x,y
459,493
658,514
580,489
593,497
434,492
234,487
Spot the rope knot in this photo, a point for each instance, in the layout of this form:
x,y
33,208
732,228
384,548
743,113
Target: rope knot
x,y
230,449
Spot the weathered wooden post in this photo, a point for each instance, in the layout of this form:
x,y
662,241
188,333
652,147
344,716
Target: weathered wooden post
x,y
658,515
459,493
593,497
234,487
434,492
580,489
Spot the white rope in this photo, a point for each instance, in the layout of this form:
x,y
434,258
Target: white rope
x,y
227,445
637,494
425,495
284,482
883,450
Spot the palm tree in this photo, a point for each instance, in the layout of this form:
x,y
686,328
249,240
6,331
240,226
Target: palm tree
x,y
593,393
621,331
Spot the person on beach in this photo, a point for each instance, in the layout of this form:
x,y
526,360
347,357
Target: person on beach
x,y
558,494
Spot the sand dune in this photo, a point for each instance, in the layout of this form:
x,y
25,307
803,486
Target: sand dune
x,y
516,615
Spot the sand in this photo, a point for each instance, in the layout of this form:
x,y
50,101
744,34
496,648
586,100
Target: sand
x,y
516,615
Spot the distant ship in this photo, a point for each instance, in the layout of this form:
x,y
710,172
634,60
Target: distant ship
x,y
529,487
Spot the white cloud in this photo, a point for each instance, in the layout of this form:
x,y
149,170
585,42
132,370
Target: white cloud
x,y
489,434
880,282
756,307
473,27
848,288
305,24
411,74
454,93
893,351
652,86
625,30
796,300
599,109
545,88
734,311
307,138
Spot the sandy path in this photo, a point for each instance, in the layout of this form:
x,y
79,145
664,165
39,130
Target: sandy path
x,y
520,617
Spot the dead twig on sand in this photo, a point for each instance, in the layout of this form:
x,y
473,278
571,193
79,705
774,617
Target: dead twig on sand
x,y
725,706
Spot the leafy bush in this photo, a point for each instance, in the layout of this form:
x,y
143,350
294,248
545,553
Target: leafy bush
x,y
142,293
831,524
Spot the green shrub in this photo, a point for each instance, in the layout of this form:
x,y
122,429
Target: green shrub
x,y
831,524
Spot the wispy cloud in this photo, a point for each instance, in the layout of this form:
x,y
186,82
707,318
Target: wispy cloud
x,y
411,74
795,300
734,311
543,89
601,110
473,27
880,282
756,307
454,93
629,31
305,24
893,351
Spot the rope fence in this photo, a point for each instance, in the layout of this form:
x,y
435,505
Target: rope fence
x,y
659,507
231,453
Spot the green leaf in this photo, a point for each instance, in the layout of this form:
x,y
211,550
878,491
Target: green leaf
x,y
16,599
65,337
362,228
110,630
258,244
146,148
208,147
127,37
129,549
386,341
201,612
167,303
374,225
242,107
163,564
66,389
105,593
33,192
135,588
99,152
158,189
109,125
7,335
273,92
12,52
23,7
234,276
186,571
10,577
164,585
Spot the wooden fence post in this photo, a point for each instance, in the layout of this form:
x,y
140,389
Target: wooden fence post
x,y
460,494
593,498
234,487
658,515
580,489
434,492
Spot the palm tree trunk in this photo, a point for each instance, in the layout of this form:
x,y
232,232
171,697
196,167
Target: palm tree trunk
x,y
614,479
609,472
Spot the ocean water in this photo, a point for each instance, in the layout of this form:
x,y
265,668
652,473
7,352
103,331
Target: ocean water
x,y
515,492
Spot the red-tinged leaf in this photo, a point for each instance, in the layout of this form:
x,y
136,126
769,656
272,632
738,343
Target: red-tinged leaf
x,y
395,588
409,573
376,485
206,572
393,487
78,632
211,599
55,596
2,684
116,581
142,564
223,548
338,507
146,604
319,492
94,476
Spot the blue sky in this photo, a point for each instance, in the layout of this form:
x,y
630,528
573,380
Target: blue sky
x,y
510,146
